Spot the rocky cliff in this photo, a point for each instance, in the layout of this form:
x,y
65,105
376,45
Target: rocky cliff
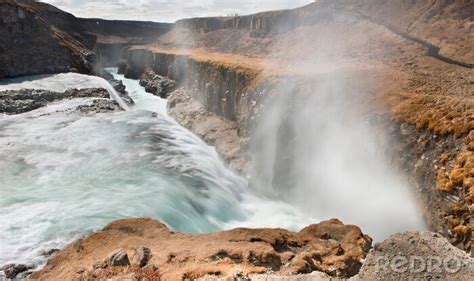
x,y
38,38
31,45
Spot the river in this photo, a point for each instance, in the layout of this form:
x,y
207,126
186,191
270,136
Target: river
x,y
66,174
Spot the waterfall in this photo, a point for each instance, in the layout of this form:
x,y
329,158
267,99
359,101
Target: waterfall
x,y
315,149
98,168
112,92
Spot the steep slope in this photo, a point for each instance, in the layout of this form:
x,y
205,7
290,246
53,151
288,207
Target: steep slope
x,y
38,38
31,45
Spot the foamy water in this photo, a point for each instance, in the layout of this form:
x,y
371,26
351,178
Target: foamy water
x,y
65,175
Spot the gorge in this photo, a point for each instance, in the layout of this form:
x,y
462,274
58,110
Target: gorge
x,y
285,122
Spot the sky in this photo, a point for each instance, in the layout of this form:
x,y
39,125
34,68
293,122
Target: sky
x,y
169,10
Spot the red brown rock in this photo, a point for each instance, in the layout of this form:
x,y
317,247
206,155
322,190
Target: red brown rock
x,y
330,247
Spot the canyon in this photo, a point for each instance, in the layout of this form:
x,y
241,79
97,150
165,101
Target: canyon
x,y
359,110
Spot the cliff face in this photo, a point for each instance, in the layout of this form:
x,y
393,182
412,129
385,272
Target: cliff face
x,y
438,23
114,37
38,38
30,45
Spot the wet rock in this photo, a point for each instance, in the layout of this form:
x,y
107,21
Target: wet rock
x,y
141,256
156,84
11,271
104,74
133,72
126,98
122,66
118,257
100,106
117,85
48,253
24,100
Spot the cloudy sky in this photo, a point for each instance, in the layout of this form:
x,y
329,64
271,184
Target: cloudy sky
x,y
168,10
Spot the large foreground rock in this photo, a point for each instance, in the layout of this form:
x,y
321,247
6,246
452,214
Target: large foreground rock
x,y
417,256
330,247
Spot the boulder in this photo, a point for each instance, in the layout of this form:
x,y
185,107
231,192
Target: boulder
x,y
141,256
122,66
156,84
416,256
118,257
11,271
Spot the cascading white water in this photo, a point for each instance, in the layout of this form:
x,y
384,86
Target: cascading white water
x,y
113,93
65,174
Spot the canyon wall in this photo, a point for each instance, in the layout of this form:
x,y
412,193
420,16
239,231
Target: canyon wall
x,y
29,45
436,24
38,38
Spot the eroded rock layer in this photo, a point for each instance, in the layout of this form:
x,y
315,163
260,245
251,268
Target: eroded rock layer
x,y
141,247
20,101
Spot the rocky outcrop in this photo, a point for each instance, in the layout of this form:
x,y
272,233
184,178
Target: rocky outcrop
x,y
114,37
20,101
416,256
217,98
430,159
215,130
156,84
330,247
223,87
99,106
13,271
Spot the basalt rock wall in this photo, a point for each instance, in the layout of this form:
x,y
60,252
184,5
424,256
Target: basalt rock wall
x,y
223,90
37,38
